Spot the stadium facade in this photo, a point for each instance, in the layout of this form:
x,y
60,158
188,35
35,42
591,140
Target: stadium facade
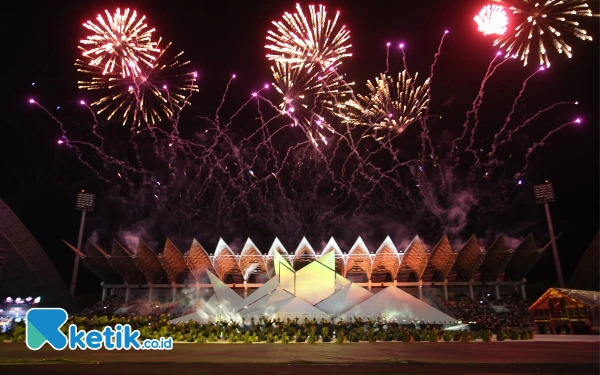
x,y
416,270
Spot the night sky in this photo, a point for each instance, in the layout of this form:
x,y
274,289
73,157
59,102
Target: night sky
x,y
39,181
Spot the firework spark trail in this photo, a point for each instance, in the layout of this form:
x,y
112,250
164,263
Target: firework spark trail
x,y
60,123
233,76
524,124
476,103
328,171
384,175
71,143
404,64
425,138
514,106
541,143
177,114
172,137
437,55
267,142
94,125
241,179
387,58
364,163
151,131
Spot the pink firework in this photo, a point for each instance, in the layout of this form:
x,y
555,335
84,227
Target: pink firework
x,y
492,19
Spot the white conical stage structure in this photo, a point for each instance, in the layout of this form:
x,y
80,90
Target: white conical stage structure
x,y
395,304
315,291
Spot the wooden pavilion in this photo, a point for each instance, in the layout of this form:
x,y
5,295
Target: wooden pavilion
x,y
562,310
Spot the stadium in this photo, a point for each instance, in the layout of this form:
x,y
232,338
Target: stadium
x,y
419,271
482,286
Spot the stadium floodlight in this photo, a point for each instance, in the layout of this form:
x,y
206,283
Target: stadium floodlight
x,y
544,193
85,203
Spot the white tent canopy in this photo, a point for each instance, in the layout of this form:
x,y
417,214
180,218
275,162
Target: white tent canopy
x,y
315,292
292,308
345,299
393,303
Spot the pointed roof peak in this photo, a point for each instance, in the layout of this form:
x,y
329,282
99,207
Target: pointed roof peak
x,y
442,242
249,245
276,244
387,243
305,244
415,239
144,245
170,245
359,243
196,245
221,247
332,244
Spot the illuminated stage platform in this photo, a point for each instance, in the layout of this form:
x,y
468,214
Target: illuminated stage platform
x,y
314,292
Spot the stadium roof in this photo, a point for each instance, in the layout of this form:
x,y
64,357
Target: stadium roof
x,y
25,269
386,263
586,275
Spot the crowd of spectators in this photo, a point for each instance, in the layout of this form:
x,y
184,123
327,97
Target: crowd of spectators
x,y
490,313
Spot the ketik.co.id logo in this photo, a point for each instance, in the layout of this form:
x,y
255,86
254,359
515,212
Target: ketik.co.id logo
x,y
43,326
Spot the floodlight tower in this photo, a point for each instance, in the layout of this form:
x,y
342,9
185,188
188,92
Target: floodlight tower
x,y
544,193
85,203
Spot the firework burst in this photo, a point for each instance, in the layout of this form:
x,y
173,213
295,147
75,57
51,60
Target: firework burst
x,y
155,93
222,179
492,20
392,105
307,53
541,26
302,41
308,95
121,43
